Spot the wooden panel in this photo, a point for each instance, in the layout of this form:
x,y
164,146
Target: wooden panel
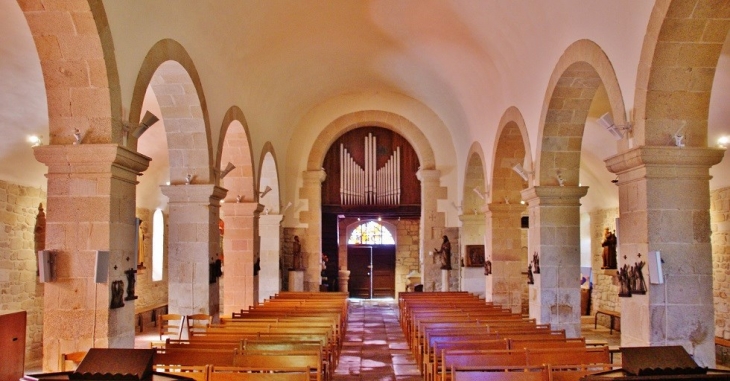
x,y
358,261
12,342
387,141
384,271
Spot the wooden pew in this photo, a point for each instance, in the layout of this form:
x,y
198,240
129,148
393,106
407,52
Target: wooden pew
x,y
576,372
567,356
491,358
500,374
196,372
185,356
432,362
263,359
219,373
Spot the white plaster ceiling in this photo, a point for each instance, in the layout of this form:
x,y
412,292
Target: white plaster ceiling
x,y
467,60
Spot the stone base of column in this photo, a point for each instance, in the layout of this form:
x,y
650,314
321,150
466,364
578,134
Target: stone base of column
x,y
343,278
445,280
296,280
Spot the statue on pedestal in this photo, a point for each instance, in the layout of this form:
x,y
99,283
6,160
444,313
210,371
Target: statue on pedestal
x,y
297,261
609,249
444,254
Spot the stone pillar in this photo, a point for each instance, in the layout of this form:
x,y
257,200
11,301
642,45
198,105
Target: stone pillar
x,y
432,227
312,240
504,248
193,242
664,204
472,233
555,236
91,205
239,248
343,278
296,280
270,243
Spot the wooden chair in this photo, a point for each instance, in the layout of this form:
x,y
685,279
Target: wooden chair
x,y
170,325
196,372
70,361
229,373
198,323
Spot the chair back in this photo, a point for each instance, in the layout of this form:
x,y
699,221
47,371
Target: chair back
x,y
198,323
171,325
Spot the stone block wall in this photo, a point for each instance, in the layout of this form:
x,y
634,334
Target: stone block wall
x,y
149,293
19,286
605,285
720,224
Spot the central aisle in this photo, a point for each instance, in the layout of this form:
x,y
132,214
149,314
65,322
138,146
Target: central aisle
x,y
374,346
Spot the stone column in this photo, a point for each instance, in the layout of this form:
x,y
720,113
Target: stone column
x,y
504,247
664,204
555,236
270,243
312,240
432,227
193,242
239,248
91,204
472,233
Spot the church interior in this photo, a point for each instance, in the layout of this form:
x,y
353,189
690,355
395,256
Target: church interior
x,y
563,159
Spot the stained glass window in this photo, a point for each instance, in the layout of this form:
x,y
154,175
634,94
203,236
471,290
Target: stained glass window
x,y
371,233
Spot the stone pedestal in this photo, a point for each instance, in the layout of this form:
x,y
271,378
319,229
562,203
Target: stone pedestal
x,y
445,275
343,278
91,206
664,206
296,280
473,280
555,238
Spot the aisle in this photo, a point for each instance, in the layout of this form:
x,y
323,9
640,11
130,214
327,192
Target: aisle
x,y
374,347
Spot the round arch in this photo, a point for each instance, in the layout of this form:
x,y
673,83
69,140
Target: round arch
x,y
269,177
575,79
512,128
476,189
168,64
234,147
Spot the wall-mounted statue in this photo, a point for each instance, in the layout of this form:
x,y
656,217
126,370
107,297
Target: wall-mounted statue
x,y
536,262
444,254
117,299
131,280
297,260
624,282
530,277
638,285
609,249
488,266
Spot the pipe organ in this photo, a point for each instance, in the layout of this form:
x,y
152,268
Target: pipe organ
x,y
370,185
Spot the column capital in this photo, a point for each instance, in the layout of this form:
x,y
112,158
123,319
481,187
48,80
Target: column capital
x,y
663,161
470,219
554,195
428,175
92,158
318,176
270,219
495,208
241,208
194,193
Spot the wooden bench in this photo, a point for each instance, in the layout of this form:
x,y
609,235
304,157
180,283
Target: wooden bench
x,y
149,313
611,314
228,373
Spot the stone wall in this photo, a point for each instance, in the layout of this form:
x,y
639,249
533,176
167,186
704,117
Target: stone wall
x,y
605,286
149,293
19,286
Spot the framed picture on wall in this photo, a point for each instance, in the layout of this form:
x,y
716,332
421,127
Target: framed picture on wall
x,y
474,256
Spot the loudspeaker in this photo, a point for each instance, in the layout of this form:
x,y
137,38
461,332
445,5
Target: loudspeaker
x,y
45,266
656,275
101,270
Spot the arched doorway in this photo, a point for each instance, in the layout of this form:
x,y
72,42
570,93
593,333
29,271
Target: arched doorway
x,y
371,261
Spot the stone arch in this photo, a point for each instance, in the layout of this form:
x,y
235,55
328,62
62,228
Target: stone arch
x,y
681,48
476,189
376,118
269,176
235,147
170,71
513,147
576,77
76,51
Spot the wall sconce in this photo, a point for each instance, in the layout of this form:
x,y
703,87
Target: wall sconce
x,y
35,140
722,141
265,191
457,207
226,171
521,171
479,193
239,198
561,180
679,137
607,122
147,121
189,178
46,259
77,137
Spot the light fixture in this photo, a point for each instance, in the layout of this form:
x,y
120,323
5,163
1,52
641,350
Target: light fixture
x,y
226,171
722,141
479,193
457,207
265,191
607,122
679,137
559,177
288,204
239,198
77,136
35,140
521,171
380,218
147,121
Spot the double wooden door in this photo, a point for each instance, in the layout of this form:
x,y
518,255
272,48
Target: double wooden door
x,y
372,271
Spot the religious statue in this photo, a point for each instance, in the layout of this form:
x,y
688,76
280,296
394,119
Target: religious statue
x,y
530,278
638,284
117,294
143,235
609,249
444,254
536,262
488,267
624,282
297,262
131,280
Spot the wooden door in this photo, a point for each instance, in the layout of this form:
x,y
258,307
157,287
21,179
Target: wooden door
x,y
372,271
